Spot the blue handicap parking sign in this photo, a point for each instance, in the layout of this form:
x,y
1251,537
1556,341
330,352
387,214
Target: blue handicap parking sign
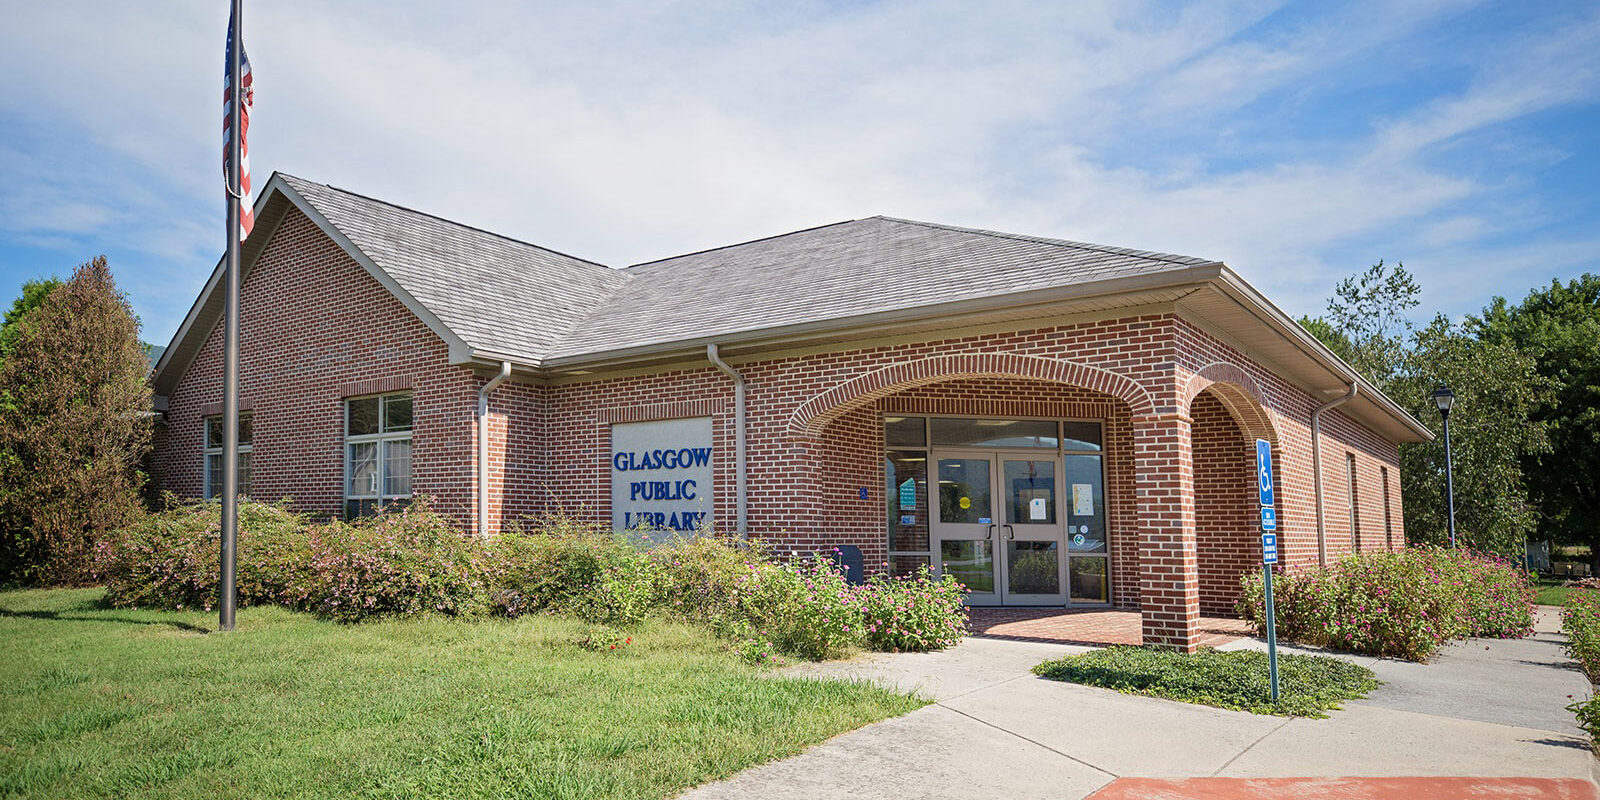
x,y
1269,518
1264,470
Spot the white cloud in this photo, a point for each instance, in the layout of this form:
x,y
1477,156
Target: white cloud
x,y
625,132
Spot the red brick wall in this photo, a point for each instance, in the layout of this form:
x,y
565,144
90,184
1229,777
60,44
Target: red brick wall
x,y
315,329
1226,527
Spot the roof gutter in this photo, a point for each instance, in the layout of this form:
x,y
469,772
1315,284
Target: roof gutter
x,y
1316,467
741,474
483,444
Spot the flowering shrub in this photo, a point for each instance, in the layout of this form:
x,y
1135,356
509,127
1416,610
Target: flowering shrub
x,y
413,561
1581,621
913,613
576,568
1402,604
171,560
408,561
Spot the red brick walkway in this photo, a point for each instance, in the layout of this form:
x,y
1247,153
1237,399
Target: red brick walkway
x,y
1091,627
1347,789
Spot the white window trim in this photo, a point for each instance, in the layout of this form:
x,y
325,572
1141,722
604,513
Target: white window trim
x,y
383,440
207,451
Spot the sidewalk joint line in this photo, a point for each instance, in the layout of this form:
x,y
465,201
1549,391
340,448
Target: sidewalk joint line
x,y
1030,741
1251,746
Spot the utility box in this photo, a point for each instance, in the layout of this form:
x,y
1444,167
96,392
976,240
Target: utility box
x,y
849,559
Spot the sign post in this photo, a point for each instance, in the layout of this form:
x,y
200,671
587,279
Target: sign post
x,y
1269,554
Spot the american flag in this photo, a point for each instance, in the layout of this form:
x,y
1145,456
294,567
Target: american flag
x,y
247,219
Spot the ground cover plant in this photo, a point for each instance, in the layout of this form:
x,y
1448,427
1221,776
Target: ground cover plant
x,y
1402,604
107,702
1310,685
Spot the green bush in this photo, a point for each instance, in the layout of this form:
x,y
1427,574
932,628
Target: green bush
x,y
570,567
804,608
1402,604
1581,621
915,613
171,560
407,561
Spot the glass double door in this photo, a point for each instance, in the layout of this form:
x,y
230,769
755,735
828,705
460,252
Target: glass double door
x,y
997,526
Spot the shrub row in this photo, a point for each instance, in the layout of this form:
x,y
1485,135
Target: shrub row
x,y
1580,619
1401,604
413,561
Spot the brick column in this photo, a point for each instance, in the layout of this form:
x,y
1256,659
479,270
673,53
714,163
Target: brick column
x,y
1169,574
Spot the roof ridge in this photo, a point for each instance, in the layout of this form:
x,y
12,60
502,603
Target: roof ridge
x,y
449,221
742,244
1099,248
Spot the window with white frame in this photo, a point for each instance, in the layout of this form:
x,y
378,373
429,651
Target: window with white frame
x,y
377,452
213,455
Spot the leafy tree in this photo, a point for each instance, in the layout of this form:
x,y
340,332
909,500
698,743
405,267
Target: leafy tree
x,y
75,425
1560,327
33,295
1497,390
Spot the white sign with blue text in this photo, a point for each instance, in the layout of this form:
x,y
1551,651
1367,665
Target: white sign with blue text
x,y
661,476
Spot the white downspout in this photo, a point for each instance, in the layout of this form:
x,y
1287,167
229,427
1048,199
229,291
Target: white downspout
x,y
741,476
1316,467
483,445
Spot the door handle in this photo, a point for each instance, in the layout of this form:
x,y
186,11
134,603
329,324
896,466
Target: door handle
x,y
1011,533
990,535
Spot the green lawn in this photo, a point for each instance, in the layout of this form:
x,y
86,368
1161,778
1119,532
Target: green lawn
x,y
111,703
1551,593
1309,685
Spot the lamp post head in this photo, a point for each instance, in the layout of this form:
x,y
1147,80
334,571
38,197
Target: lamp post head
x,y
1444,398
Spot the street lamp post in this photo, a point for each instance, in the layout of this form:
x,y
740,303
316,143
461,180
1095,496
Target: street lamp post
x,y
1444,398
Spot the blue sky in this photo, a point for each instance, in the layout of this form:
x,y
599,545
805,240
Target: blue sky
x,y
1299,142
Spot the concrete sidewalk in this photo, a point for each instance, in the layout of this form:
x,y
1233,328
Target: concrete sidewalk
x,y
1483,708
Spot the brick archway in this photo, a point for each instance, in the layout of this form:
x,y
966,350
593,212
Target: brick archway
x,y
1238,392
812,416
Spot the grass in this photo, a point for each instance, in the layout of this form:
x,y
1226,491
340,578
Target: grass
x,y
1551,592
1309,685
113,703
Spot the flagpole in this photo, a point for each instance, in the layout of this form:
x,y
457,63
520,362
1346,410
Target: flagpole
x,y
230,359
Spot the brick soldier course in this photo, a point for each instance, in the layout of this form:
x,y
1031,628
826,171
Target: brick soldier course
x,y
833,330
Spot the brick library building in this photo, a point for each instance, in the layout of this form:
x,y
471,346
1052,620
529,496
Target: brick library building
x,y
1055,423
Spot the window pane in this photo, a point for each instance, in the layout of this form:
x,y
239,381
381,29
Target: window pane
x,y
246,429
213,431
901,566
363,470
971,561
1030,492
905,431
363,416
1086,505
1033,567
964,490
1088,579
1080,435
244,474
213,476
907,492
397,468
397,412
995,432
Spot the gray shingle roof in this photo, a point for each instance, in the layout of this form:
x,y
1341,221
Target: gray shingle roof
x,y
496,293
847,269
515,299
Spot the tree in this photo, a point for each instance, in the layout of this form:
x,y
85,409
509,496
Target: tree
x,y
33,295
1560,327
1497,390
75,424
